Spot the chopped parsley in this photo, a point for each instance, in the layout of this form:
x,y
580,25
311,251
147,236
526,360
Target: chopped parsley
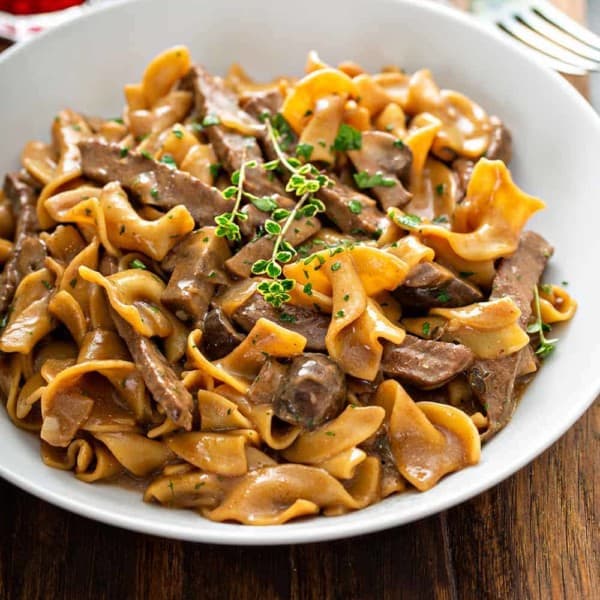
x,y
210,120
287,318
168,160
177,133
347,138
118,120
154,193
214,169
46,284
330,433
146,154
336,266
346,297
398,144
307,289
364,180
304,151
426,328
136,263
123,152
440,219
410,221
443,296
466,273
439,189
339,314
355,206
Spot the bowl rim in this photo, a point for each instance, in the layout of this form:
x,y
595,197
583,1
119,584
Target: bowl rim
x,y
326,528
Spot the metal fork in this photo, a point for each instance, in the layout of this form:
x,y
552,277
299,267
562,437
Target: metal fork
x,y
560,42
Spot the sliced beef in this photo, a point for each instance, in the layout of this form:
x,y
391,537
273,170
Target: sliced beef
x,y
379,153
240,264
257,103
232,148
312,391
197,265
160,379
220,337
429,285
28,252
463,169
493,381
155,182
342,207
426,364
266,384
500,147
310,323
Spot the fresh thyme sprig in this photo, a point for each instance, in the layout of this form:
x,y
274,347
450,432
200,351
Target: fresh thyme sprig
x,y
226,225
305,180
546,347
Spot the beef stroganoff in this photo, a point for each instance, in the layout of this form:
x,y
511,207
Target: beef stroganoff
x,y
268,301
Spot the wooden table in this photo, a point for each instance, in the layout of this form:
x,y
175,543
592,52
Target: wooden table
x,y
533,536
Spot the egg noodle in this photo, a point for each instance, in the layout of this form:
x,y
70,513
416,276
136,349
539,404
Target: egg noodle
x,y
267,301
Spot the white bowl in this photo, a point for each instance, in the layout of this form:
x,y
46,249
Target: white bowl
x,y
84,65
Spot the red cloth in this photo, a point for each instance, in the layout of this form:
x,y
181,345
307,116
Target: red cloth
x,y
30,7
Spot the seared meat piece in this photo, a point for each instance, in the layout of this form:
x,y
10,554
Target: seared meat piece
x,y
313,391
266,384
28,252
463,169
213,99
500,147
379,154
310,323
160,379
259,102
220,336
426,364
197,263
154,182
429,285
493,381
240,264
340,198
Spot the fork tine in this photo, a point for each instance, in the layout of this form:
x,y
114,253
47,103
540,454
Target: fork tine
x,y
553,33
539,42
560,19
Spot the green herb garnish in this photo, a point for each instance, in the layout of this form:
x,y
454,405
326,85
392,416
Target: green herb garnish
x,y
347,138
365,181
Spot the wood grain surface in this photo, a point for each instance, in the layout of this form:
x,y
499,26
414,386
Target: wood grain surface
x,y
534,536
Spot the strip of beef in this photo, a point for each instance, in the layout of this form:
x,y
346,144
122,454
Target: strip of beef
x,y
380,154
213,99
155,182
310,323
29,251
500,147
220,337
266,384
429,285
312,391
426,364
341,202
160,379
197,265
240,264
493,381
257,103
